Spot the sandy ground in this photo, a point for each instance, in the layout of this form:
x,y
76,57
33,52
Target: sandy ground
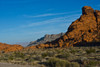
x,y
13,65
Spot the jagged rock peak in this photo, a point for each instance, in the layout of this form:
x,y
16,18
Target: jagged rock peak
x,y
46,38
87,10
85,31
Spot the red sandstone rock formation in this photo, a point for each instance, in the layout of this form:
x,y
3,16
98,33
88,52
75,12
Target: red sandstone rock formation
x,y
8,48
84,30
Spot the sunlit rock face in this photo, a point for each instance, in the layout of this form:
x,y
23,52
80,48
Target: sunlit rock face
x,y
97,13
83,31
9,48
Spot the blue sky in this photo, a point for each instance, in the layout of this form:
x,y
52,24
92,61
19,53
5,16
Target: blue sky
x,y
28,20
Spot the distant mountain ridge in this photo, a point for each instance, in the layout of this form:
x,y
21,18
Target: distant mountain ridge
x,y
85,31
46,38
24,44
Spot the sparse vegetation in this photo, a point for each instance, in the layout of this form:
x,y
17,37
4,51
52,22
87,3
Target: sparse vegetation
x,y
55,57
55,62
88,51
64,55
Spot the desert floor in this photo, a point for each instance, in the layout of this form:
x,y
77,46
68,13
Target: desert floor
x,y
13,65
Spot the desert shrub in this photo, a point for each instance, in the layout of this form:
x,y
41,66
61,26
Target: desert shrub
x,y
88,51
73,51
76,55
44,55
58,51
93,63
51,54
63,55
19,54
55,62
39,58
29,60
74,64
10,58
84,60
3,58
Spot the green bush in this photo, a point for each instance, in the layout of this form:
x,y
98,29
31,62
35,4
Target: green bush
x,y
88,51
73,51
51,54
93,63
19,54
74,64
29,60
4,58
55,62
63,55
10,58
84,60
58,51
39,58
44,55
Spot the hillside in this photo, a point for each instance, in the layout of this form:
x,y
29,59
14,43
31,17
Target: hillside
x,y
84,31
46,38
8,48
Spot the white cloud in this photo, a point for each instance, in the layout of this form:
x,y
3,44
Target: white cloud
x,y
64,19
54,20
42,15
63,22
50,14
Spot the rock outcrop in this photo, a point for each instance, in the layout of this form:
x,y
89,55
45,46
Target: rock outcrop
x,y
46,38
9,48
97,13
83,31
